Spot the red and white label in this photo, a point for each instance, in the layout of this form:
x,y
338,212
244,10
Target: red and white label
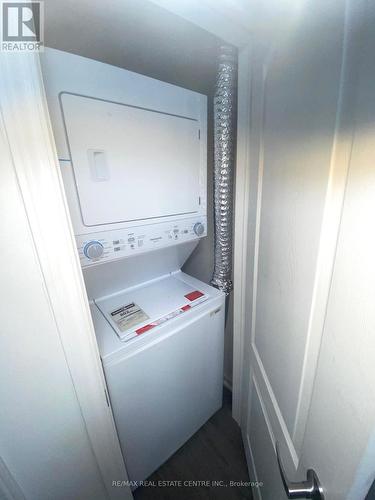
x,y
192,297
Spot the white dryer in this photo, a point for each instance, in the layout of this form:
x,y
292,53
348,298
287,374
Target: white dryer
x,y
133,160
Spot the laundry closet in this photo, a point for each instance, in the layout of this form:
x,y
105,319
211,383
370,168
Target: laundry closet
x,y
133,158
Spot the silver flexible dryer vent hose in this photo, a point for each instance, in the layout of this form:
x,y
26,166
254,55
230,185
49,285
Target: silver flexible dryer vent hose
x,y
223,169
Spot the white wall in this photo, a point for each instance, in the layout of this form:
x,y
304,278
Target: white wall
x,y
144,38
43,439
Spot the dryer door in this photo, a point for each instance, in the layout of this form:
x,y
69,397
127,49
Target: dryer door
x,y
131,163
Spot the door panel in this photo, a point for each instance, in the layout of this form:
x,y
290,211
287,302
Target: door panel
x,y
303,163
342,415
261,441
298,129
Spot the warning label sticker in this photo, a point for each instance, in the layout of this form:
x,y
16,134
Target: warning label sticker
x,y
128,316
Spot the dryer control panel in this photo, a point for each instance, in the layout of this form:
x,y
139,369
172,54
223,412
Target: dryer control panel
x,y
105,246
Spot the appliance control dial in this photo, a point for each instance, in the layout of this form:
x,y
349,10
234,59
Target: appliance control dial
x,y
93,249
198,228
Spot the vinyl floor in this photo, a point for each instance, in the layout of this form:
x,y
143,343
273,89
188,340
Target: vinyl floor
x,y
214,454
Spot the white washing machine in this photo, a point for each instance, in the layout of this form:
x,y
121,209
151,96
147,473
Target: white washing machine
x,y
133,160
165,384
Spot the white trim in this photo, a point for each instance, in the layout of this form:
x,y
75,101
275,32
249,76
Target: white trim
x,y
254,233
257,495
242,199
31,143
272,413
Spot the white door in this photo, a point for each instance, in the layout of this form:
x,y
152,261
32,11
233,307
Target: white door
x,y
312,289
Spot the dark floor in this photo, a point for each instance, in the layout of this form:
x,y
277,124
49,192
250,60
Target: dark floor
x,y
214,453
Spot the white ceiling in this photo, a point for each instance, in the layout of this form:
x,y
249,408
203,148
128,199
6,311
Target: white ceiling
x,y
137,35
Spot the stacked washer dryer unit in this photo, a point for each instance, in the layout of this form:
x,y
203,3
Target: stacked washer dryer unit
x,y
133,160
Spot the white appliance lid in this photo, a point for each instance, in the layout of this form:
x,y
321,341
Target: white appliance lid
x,y
135,311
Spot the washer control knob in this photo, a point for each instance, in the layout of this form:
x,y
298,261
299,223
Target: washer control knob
x,y
93,250
198,228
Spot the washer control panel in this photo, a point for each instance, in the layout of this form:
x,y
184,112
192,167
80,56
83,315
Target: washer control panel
x,y
110,245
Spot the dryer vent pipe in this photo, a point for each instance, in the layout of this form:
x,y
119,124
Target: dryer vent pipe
x,y
224,102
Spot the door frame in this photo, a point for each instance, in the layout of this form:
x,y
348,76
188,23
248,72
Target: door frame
x,y
29,136
242,252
